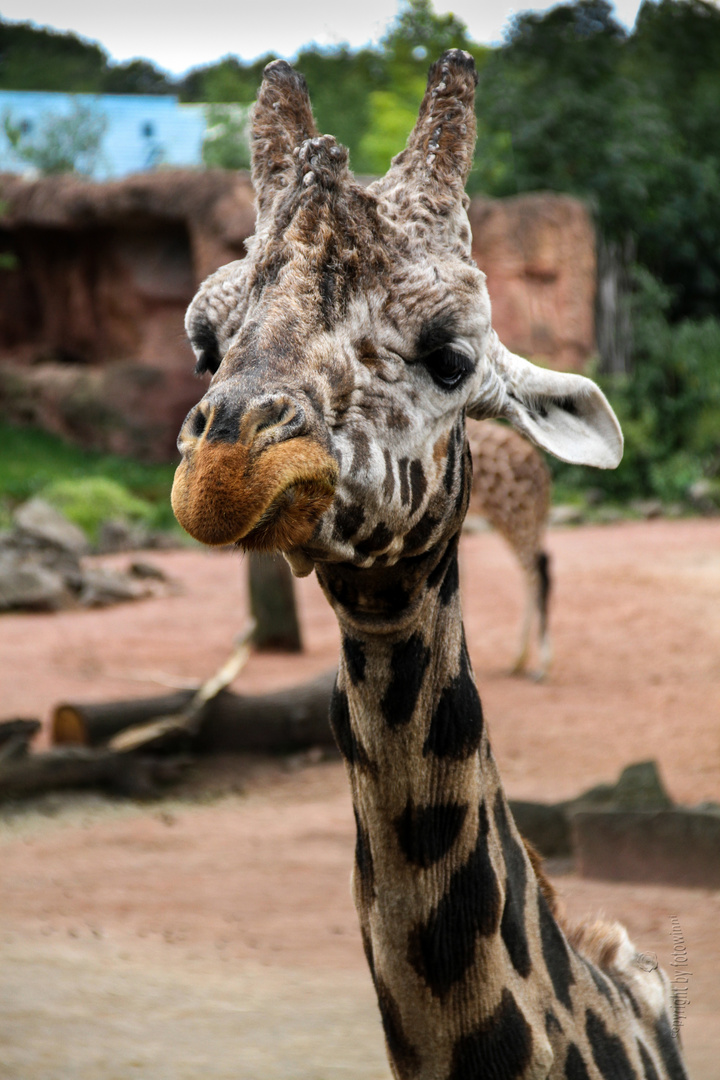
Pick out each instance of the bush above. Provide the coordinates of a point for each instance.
(669, 407)
(34, 461)
(88, 501)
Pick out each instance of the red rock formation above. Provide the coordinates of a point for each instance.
(538, 252)
(91, 318)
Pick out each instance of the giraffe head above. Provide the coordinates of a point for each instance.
(350, 344)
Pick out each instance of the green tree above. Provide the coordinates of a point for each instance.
(674, 58)
(227, 140)
(33, 58)
(553, 92)
(340, 82)
(67, 143)
(416, 38)
(572, 103)
(136, 77)
(229, 81)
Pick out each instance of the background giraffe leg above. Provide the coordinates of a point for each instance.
(543, 586)
(536, 603)
(531, 604)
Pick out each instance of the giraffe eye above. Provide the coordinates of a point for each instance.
(448, 367)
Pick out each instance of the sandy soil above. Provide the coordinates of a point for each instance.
(212, 934)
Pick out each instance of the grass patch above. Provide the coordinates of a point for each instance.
(87, 485)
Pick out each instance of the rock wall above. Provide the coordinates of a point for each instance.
(538, 252)
(92, 344)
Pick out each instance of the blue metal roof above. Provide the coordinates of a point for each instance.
(142, 131)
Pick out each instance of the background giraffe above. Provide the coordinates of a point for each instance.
(511, 488)
(346, 352)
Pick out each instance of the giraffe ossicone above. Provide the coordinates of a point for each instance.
(346, 351)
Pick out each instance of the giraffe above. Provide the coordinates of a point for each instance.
(346, 351)
(511, 489)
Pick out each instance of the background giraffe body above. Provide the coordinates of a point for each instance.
(511, 488)
(346, 351)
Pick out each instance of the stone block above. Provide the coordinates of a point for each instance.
(546, 826)
(669, 847)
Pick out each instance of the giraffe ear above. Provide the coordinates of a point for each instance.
(282, 121)
(565, 414)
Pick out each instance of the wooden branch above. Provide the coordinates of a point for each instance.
(187, 722)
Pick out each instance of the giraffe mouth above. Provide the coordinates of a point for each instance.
(290, 519)
(223, 494)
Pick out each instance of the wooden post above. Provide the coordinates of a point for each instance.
(272, 603)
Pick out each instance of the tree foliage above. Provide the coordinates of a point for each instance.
(669, 406)
(573, 103)
(227, 142)
(37, 58)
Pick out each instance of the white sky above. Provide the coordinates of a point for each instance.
(179, 34)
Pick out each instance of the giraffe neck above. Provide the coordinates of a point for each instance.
(441, 879)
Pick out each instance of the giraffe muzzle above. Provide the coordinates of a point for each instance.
(251, 481)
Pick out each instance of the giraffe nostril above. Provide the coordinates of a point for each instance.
(276, 418)
(198, 423)
(283, 415)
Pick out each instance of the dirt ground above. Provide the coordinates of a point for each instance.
(212, 934)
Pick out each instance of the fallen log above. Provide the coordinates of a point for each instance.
(11, 730)
(80, 767)
(15, 737)
(87, 724)
(281, 722)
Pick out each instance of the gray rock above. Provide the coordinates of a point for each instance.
(565, 514)
(41, 522)
(647, 508)
(548, 826)
(116, 535)
(28, 585)
(101, 586)
(147, 571)
(639, 787)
